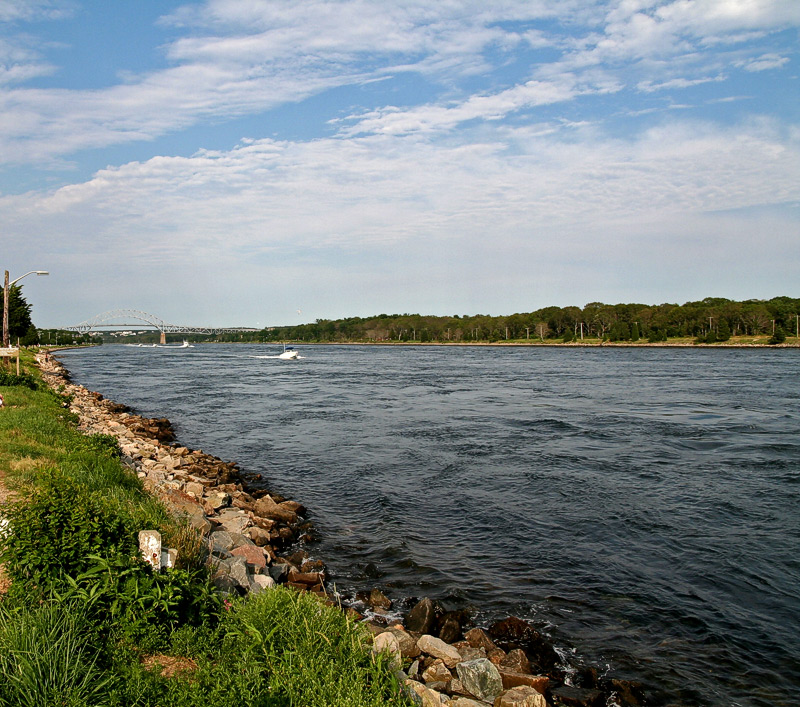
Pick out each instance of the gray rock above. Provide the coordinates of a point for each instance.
(234, 521)
(226, 540)
(480, 678)
(220, 564)
(238, 572)
(224, 583)
(470, 653)
(280, 572)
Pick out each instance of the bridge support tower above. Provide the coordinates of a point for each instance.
(163, 337)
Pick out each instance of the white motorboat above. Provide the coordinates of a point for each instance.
(289, 353)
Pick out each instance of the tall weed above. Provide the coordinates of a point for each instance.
(48, 656)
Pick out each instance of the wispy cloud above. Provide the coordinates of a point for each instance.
(764, 62)
(241, 58)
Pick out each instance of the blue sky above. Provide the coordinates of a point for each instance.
(258, 162)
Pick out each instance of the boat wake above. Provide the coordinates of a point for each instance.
(282, 358)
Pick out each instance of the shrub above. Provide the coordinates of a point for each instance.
(56, 529)
(24, 379)
(143, 606)
(778, 337)
(106, 445)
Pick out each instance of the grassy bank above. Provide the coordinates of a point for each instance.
(85, 622)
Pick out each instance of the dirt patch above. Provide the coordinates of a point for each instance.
(170, 666)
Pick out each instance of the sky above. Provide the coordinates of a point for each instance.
(273, 162)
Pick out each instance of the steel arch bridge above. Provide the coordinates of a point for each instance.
(122, 317)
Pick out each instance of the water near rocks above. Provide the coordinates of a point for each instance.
(642, 507)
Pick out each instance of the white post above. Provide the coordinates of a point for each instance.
(150, 547)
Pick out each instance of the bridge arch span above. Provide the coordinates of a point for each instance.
(122, 317)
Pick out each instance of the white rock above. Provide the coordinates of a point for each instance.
(387, 642)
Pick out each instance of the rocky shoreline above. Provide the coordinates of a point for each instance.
(252, 539)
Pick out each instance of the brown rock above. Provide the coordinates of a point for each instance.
(516, 662)
(298, 508)
(267, 508)
(251, 553)
(628, 692)
(437, 672)
(258, 535)
(286, 534)
(511, 680)
(478, 638)
(264, 523)
(408, 644)
(450, 630)
(496, 655)
(521, 697)
(378, 600)
(420, 619)
(516, 633)
(307, 578)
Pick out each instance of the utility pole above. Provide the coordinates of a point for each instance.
(581, 331)
(5, 312)
(527, 332)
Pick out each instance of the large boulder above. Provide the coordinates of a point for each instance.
(439, 649)
(252, 554)
(480, 678)
(422, 617)
(267, 508)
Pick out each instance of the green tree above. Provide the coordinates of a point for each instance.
(778, 337)
(724, 330)
(635, 332)
(19, 314)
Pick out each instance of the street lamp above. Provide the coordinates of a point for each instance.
(6, 289)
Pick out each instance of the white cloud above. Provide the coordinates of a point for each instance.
(764, 62)
(649, 86)
(28, 10)
(237, 58)
(429, 118)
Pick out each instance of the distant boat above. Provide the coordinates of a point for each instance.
(289, 353)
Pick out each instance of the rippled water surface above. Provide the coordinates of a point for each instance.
(640, 505)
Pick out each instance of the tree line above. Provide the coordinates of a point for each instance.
(21, 327)
(708, 320)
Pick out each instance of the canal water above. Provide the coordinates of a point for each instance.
(641, 506)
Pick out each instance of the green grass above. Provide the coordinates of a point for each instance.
(84, 613)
